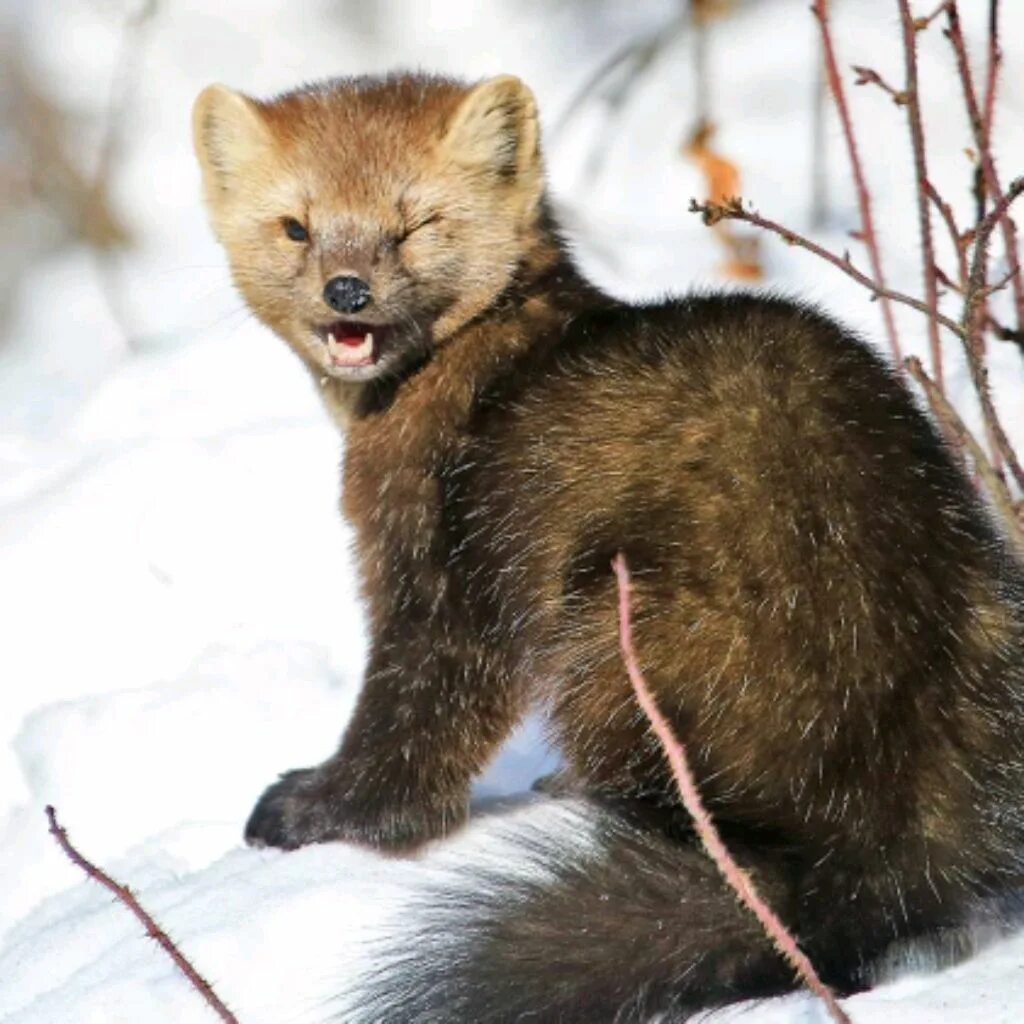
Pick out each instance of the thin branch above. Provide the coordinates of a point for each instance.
(1004, 333)
(922, 23)
(976, 290)
(998, 286)
(738, 880)
(868, 76)
(987, 184)
(987, 225)
(954, 32)
(820, 10)
(975, 318)
(995, 58)
(971, 247)
(955, 427)
(124, 895)
(976, 296)
(957, 238)
(913, 106)
(946, 281)
(733, 210)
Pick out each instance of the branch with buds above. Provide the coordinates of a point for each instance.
(971, 280)
(125, 896)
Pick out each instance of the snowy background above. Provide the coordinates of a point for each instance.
(176, 592)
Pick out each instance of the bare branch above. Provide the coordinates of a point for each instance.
(820, 10)
(124, 895)
(995, 216)
(866, 76)
(1004, 333)
(957, 238)
(956, 428)
(920, 24)
(971, 246)
(912, 101)
(975, 319)
(738, 880)
(995, 58)
(980, 131)
(986, 184)
(714, 212)
(947, 282)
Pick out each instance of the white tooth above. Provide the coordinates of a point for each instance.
(368, 340)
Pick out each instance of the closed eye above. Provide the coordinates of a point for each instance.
(431, 218)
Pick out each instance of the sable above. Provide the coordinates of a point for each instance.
(824, 614)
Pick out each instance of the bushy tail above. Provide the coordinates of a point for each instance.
(627, 927)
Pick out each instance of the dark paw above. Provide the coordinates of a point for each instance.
(295, 811)
(305, 807)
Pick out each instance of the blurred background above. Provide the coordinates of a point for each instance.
(103, 247)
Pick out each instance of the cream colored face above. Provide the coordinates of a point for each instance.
(365, 220)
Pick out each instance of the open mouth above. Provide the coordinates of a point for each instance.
(351, 344)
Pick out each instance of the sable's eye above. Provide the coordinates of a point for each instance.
(294, 230)
(431, 218)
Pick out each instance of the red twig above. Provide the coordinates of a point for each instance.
(820, 10)
(959, 246)
(971, 246)
(733, 209)
(995, 57)
(922, 23)
(735, 876)
(980, 132)
(985, 227)
(957, 429)
(1004, 333)
(975, 320)
(124, 895)
(868, 76)
(913, 105)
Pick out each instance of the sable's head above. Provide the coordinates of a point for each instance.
(366, 219)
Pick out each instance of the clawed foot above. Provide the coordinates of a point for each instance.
(304, 807)
(295, 811)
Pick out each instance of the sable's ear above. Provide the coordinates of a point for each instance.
(496, 128)
(228, 131)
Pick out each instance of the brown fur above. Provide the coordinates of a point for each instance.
(824, 611)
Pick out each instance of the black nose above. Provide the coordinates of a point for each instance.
(346, 294)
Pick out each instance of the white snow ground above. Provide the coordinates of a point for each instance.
(178, 602)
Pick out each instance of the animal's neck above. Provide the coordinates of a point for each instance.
(437, 395)
(401, 433)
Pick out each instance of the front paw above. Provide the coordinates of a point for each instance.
(304, 807)
(295, 811)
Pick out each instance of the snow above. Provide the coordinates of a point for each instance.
(181, 616)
